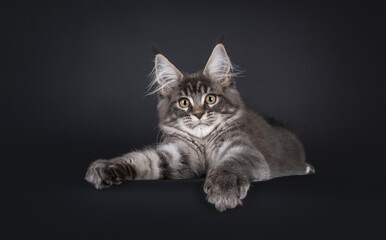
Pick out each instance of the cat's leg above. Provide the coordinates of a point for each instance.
(163, 161)
(228, 181)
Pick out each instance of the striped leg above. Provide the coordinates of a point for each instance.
(162, 161)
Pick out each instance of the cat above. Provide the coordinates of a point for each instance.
(207, 132)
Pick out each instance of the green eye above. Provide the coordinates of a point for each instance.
(184, 102)
(210, 99)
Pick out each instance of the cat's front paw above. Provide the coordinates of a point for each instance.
(225, 190)
(103, 173)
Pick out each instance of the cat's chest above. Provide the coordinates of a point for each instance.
(204, 153)
(209, 151)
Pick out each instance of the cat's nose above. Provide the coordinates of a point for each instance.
(198, 114)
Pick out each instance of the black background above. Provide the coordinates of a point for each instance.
(73, 85)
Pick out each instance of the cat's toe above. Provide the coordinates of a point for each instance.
(103, 173)
(243, 188)
(98, 176)
(223, 201)
(225, 190)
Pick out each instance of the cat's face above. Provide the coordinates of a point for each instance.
(196, 103)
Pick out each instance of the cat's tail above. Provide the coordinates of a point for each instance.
(310, 169)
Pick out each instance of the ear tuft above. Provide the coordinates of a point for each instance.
(219, 67)
(221, 39)
(155, 49)
(165, 75)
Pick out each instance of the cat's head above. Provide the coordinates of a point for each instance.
(196, 103)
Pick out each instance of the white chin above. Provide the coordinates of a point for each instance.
(200, 131)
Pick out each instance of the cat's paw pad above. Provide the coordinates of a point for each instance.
(225, 190)
(103, 174)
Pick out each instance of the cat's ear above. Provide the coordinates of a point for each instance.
(219, 67)
(166, 74)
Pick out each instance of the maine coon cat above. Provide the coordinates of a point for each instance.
(207, 131)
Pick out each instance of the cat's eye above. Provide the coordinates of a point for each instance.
(210, 99)
(184, 102)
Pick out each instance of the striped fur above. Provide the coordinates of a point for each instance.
(228, 143)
